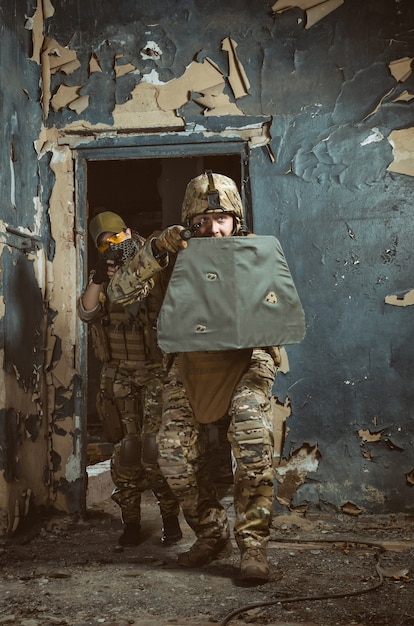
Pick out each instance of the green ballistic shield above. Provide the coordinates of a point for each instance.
(230, 293)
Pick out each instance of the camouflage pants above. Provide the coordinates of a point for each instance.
(182, 456)
(137, 393)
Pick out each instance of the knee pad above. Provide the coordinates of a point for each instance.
(150, 450)
(130, 450)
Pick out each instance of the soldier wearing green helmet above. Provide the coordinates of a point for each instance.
(235, 385)
(131, 380)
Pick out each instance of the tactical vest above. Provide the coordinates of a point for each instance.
(129, 332)
(125, 336)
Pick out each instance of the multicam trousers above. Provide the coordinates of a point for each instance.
(182, 456)
(136, 393)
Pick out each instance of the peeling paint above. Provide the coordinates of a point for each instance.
(67, 96)
(350, 508)
(60, 331)
(280, 412)
(197, 78)
(12, 182)
(367, 435)
(151, 51)
(121, 69)
(43, 11)
(73, 468)
(94, 64)
(153, 78)
(143, 110)
(367, 455)
(217, 103)
(284, 361)
(402, 142)
(375, 136)
(409, 477)
(378, 104)
(315, 10)
(237, 76)
(405, 96)
(379, 436)
(203, 78)
(292, 472)
(333, 159)
(55, 58)
(401, 68)
(405, 299)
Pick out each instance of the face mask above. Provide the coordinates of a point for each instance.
(121, 252)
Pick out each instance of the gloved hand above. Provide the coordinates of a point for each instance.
(101, 272)
(170, 239)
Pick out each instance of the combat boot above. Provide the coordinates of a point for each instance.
(130, 534)
(171, 531)
(254, 568)
(204, 551)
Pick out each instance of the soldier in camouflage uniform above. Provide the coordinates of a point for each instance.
(236, 382)
(129, 399)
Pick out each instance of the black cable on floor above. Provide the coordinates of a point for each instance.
(328, 596)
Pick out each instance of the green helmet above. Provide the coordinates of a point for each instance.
(211, 193)
(105, 222)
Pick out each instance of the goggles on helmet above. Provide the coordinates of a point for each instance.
(113, 240)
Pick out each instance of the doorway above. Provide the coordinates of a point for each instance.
(147, 193)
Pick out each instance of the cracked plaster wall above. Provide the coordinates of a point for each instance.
(322, 92)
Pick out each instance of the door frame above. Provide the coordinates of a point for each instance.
(137, 147)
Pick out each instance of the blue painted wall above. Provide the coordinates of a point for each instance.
(345, 222)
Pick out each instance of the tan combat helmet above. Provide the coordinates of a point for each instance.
(211, 193)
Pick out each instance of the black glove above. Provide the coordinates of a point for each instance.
(101, 272)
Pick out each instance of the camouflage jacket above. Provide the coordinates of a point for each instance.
(135, 280)
(126, 330)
